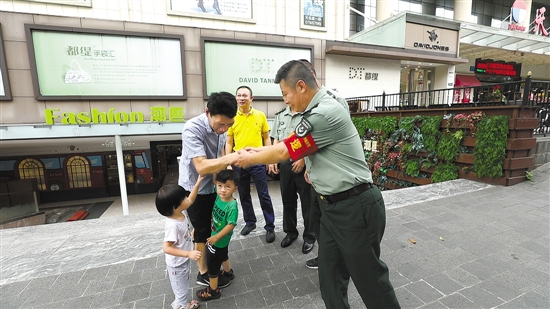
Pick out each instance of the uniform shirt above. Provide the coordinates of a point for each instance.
(198, 139)
(339, 162)
(248, 128)
(224, 213)
(177, 231)
(284, 123)
(338, 98)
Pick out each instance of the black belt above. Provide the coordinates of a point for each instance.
(331, 199)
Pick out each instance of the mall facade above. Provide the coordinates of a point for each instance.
(94, 93)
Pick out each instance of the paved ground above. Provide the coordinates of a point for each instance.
(477, 246)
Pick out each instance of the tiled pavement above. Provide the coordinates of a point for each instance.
(477, 246)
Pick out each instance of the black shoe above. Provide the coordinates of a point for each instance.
(207, 294)
(247, 229)
(312, 264)
(223, 281)
(203, 279)
(228, 274)
(287, 241)
(307, 247)
(270, 236)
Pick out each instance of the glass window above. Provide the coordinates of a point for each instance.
(31, 168)
(78, 170)
(95, 160)
(7, 165)
(51, 163)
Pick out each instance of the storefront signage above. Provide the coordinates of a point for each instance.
(518, 14)
(434, 45)
(360, 73)
(73, 63)
(95, 116)
(501, 68)
(5, 93)
(313, 14)
(228, 65)
(240, 10)
(539, 22)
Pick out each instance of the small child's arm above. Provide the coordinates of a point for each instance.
(195, 191)
(226, 230)
(168, 248)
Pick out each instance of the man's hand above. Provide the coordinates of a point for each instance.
(298, 166)
(212, 240)
(244, 158)
(306, 177)
(273, 168)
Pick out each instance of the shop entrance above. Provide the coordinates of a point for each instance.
(414, 80)
(164, 156)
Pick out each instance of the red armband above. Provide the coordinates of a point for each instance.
(300, 147)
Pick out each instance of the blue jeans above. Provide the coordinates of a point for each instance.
(258, 173)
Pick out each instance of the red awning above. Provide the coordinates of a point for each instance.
(466, 81)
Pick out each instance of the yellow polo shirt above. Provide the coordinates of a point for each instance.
(248, 128)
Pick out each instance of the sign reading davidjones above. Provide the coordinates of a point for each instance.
(73, 63)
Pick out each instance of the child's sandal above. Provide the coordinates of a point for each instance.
(207, 294)
(193, 304)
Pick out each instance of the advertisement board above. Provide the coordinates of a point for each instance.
(228, 65)
(237, 10)
(74, 63)
(312, 14)
(5, 93)
(87, 3)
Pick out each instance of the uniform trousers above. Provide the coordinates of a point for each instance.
(258, 173)
(349, 245)
(292, 185)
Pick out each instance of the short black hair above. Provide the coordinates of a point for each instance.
(222, 103)
(246, 87)
(227, 175)
(293, 71)
(309, 66)
(169, 197)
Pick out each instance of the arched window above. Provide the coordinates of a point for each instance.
(78, 170)
(32, 168)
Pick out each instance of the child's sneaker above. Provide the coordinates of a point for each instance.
(203, 279)
(228, 274)
(223, 281)
(207, 294)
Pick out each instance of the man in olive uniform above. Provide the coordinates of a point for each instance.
(353, 216)
(293, 183)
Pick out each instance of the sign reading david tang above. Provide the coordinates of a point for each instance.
(228, 65)
(72, 63)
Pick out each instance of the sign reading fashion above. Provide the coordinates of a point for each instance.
(90, 64)
(157, 114)
(228, 65)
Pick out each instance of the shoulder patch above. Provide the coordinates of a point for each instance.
(303, 128)
(282, 110)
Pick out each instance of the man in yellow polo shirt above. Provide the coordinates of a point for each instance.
(251, 130)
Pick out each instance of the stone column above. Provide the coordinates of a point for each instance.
(384, 8)
(463, 10)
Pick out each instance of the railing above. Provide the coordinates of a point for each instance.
(525, 93)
